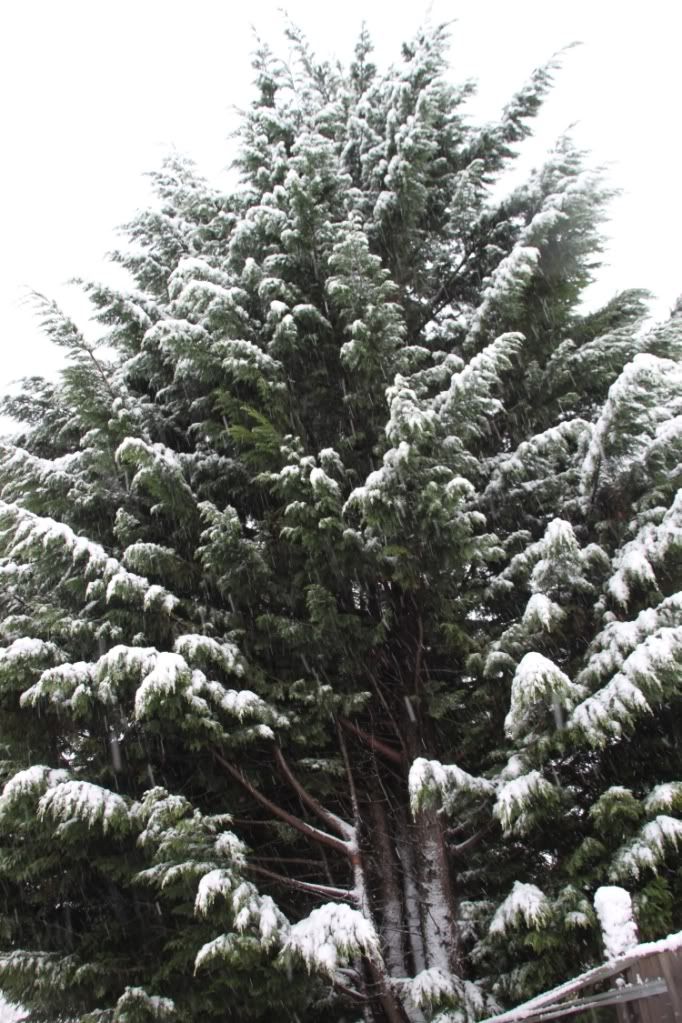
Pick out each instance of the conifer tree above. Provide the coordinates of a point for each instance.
(340, 607)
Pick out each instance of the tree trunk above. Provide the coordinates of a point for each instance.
(437, 898)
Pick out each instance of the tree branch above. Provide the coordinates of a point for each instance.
(340, 826)
(299, 861)
(371, 740)
(277, 811)
(323, 890)
(470, 843)
(391, 717)
(419, 651)
(442, 296)
(355, 803)
(350, 992)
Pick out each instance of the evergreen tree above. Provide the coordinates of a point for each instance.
(340, 613)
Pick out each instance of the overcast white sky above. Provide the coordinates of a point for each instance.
(94, 93)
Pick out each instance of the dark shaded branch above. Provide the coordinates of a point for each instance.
(470, 843)
(355, 802)
(340, 826)
(382, 748)
(391, 717)
(277, 811)
(443, 296)
(300, 861)
(418, 654)
(323, 890)
(350, 992)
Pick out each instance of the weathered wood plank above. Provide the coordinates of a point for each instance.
(663, 1009)
(616, 996)
(672, 971)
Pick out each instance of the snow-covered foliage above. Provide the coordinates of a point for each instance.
(73, 802)
(26, 786)
(524, 904)
(431, 782)
(648, 849)
(332, 936)
(250, 911)
(537, 683)
(519, 797)
(647, 675)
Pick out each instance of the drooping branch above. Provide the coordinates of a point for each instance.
(470, 843)
(314, 834)
(299, 861)
(349, 774)
(380, 747)
(349, 992)
(323, 890)
(340, 826)
(389, 713)
(418, 654)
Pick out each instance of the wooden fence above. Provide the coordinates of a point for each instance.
(643, 986)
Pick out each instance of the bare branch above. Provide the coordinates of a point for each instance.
(323, 890)
(371, 740)
(277, 811)
(351, 781)
(470, 843)
(340, 826)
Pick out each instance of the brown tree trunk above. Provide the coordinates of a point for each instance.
(386, 871)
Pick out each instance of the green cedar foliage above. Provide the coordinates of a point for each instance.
(340, 606)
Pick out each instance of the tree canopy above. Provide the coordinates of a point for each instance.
(341, 612)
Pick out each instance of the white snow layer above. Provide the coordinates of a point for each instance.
(648, 849)
(81, 801)
(653, 545)
(537, 682)
(430, 780)
(614, 909)
(526, 903)
(653, 665)
(515, 799)
(331, 936)
(30, 783)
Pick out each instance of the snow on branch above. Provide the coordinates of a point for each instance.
(647, 675)
(647, 393)
(251, 913)
(667, 796)
(518, 797)
(618, 639)
(539, 456)
(22, 658)
(81, 801)
(28, 785)
(555, 565)
(432, 783)
(648, 849)
(507, 283)
(538, 683)
(409, 418)
(653, 546)
(158, 471)
(67, 685)
(31, 539)
(332, 936)
(525, 904)
(468, 405)
(135, 1000)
